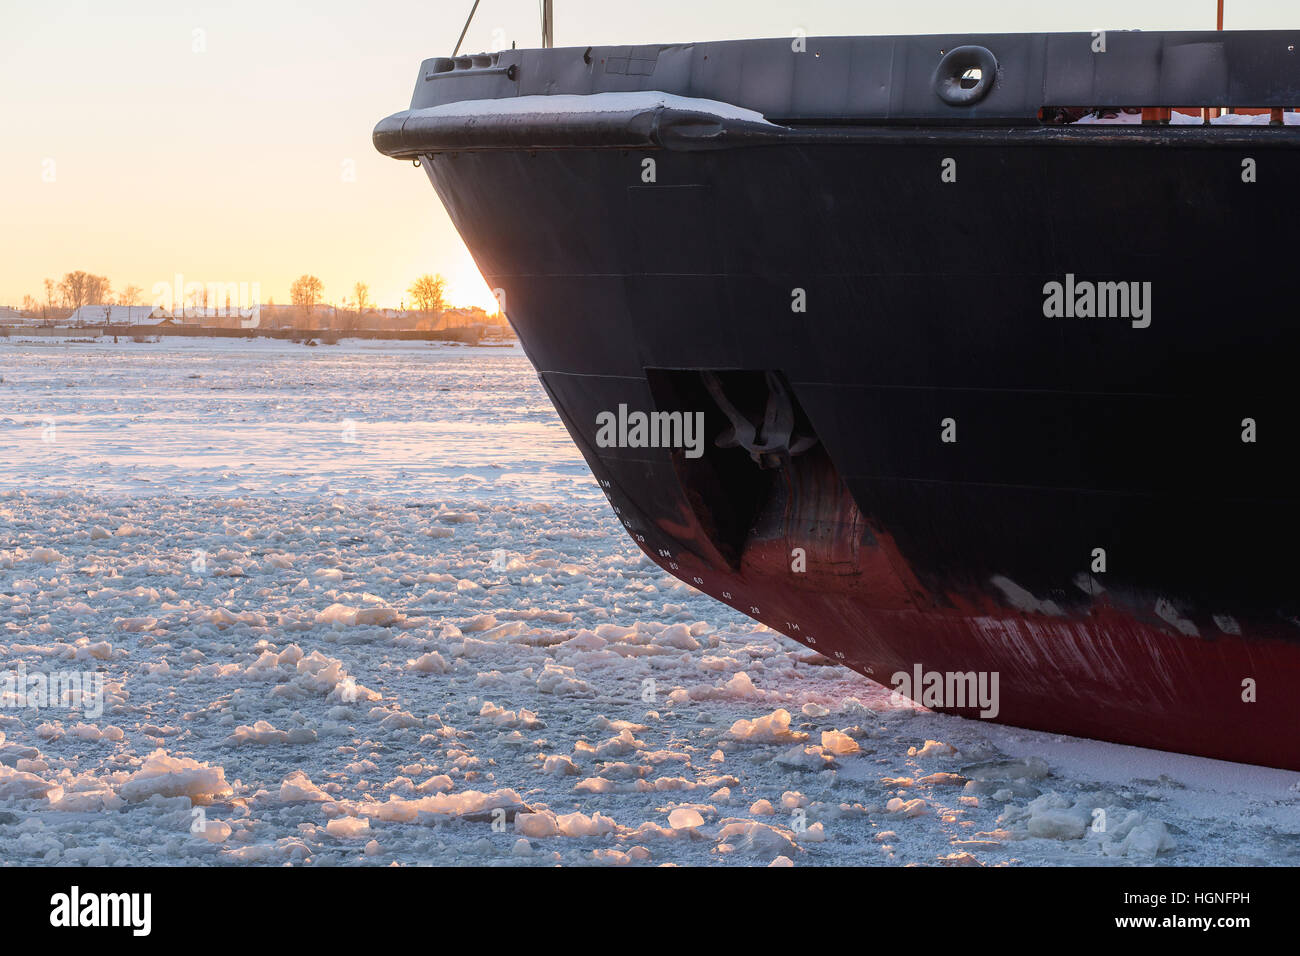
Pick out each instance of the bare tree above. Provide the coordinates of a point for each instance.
(82, 288)
(306, 292)
(429, 293)
(361, 292)
(130, 295)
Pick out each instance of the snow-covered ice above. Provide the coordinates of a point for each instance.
(364, 604)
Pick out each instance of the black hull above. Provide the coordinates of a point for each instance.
(925, 309)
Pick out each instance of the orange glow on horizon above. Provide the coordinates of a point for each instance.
(231, 143)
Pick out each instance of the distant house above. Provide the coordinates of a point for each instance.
(210, 318)
(97, 315)
(11, 317)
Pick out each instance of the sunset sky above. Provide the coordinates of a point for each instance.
(230, 141)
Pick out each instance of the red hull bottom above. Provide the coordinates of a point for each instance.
(1106, 672)
(1108, 678)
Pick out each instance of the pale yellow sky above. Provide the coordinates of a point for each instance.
(230, 141)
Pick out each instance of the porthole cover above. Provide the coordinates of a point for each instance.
(965, 75)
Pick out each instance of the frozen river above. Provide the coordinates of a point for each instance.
(364, 604)
(213, 417)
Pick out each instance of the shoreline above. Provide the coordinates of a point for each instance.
(465, 334)
(78, 337)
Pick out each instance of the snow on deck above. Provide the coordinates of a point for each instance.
(634, 102)
(423, 638)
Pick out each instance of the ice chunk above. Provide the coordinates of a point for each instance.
(685, 818)
(772, 728)
(840, 744)
(348, 828)
(298, 786)
(164, 775)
